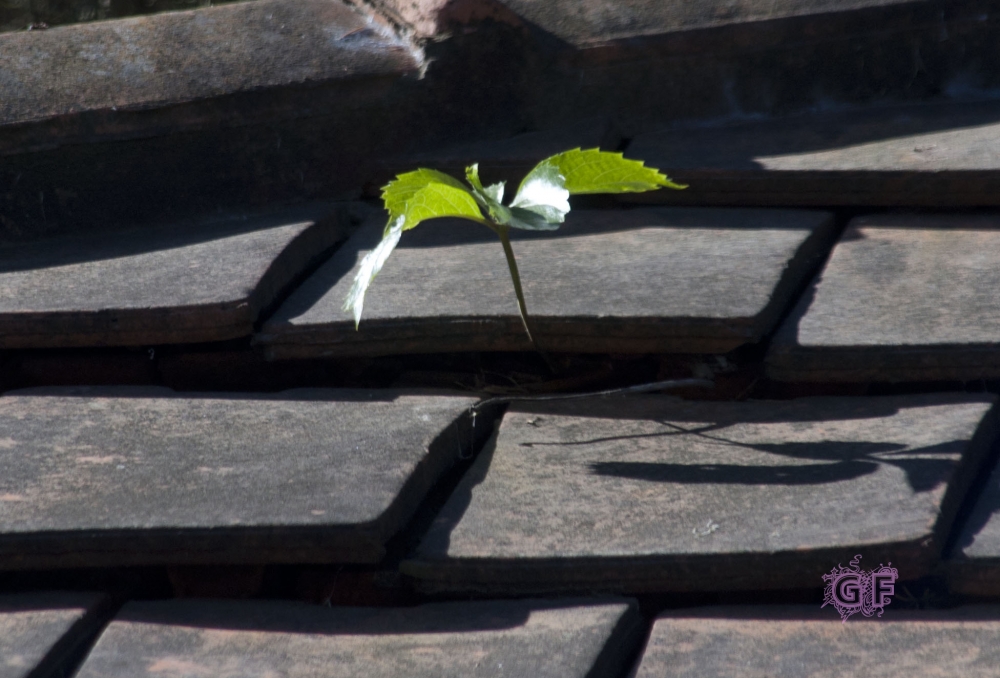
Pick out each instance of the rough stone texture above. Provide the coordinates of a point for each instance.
(787, 642)
(40, 632)
(591, 22)
(974, 566)
(595, 22)
(659, 494)
(696, 281)
(902, 298)
(565, 639)
(171, 114)
(178, 57)
(133, 475)
(177, 283)
(647, 64)
(934, 154)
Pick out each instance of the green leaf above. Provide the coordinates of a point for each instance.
(397, 193)
(410, 199)
(596, 171)
(542, 193)
(440, 200)
(370, 266)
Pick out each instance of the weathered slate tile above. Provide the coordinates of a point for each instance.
(936, 154)
(131, 475)
(974, 563)
(687, 280)
(248, 103)
(786, 642)
(596, 22)
(546, 639)
(175, 58)
(40, 632)
(659, 494)
(178, 283)
(902, 298)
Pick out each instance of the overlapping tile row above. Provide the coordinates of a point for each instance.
(609, 281)
(940, 154)
(42, 634)
(124, 476)
(902, 298)
(580, 638)
(649, 61)
(187, 282)
(654, 494)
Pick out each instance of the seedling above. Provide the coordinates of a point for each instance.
(540, 204)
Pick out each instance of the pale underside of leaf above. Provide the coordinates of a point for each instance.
(542, 200)
(370, 266)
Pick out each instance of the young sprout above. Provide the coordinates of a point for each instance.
(540, 204)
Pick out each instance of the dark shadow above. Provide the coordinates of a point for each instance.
(438, 537)
(851, 459)
(830, 450)
(924, 474)
(76, 249)
(986, 505)
(47, 600)
(735, 474)
(293, 617)
(705, 417)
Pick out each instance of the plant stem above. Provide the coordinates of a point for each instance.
(522, 307)
(503, 232)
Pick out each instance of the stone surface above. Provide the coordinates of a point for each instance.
(786, 642)
(902, 298)
(133, 475)
(175, 114)
(594, 22)
(41, 632)
(177, 283)
(645, 281)
(543, 639)
(974, 565)
(659, 494)
(649, 64)
(941, 155)
(177, 57)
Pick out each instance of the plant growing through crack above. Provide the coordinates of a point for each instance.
(540, 204)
